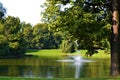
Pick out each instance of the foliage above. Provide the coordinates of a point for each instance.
(83, 26)
(16, 37)
(44, 38)
(67, 46)
(3, 45)
(11, 37)
(27, 31)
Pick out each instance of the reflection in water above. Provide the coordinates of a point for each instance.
(78, 66)
(43, 72)
(77, 62)
(50, 68)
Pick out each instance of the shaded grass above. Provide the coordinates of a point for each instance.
(32, 50)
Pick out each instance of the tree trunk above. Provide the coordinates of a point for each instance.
(115, 39)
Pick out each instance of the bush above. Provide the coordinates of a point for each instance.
(67, 46)
(3, 45)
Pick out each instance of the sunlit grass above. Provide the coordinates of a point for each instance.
(101, 54)
(46, 52)
(58, 53)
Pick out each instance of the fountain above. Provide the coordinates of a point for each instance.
(76, 58)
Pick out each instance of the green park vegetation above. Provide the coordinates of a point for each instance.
(45, 53)
(56, 32)
(17, 37)
(64, 30)
(58, 53)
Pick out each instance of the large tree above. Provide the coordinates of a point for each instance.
(83, 24)
(79, 23)
(115, 38)
(27, 34)
(44, 38)
(12, 42)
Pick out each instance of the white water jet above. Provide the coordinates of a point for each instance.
(80, 59)
(77, 58)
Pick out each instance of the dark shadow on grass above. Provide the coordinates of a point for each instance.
(30, 55)
(32, 50)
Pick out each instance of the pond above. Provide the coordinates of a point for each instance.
(63, 67)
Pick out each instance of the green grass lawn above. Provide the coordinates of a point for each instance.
(100, 55)
(45, 52)
(58, 53)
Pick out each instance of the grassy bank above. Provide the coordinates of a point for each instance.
(45, 53)
(58, 53)
(101, 54)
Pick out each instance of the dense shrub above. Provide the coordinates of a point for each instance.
(67, 46)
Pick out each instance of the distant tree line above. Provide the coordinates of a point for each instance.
(59, 30)
(16, 37)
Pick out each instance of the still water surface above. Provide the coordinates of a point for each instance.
(41, 67)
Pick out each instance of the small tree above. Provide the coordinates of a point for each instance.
(67, 46)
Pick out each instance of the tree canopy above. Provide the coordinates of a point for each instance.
(12, 36)
(72, 17)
